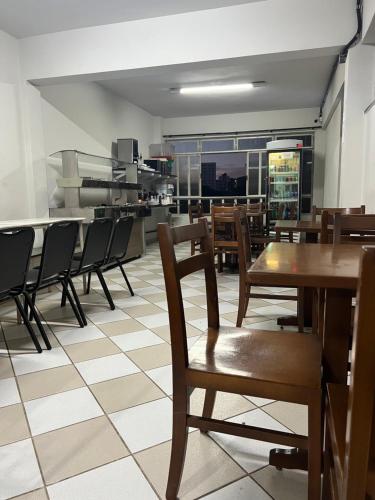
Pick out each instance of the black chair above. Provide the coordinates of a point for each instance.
(117, 249)
(92, 257)
(55, 264)
(16, 245)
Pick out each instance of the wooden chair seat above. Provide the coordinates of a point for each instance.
(259, 357)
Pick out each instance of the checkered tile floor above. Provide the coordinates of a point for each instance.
(91, 419)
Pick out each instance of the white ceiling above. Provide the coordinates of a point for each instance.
(291, 83)
(22, 18)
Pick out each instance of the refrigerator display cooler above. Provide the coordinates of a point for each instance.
(284, 181)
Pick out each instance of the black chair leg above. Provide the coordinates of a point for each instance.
(33, 300)
(27, 323)
(88, 283)
(77, 301)
(105, 289)
(33, 311)
(73, 305)
(63, 299)
(126, 279)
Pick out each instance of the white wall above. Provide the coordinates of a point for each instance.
(332, 158)
(237, 122)
(244, 30)
(87, 117)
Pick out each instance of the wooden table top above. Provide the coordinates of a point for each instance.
(39, 222)
(308, 265)
(298, 226)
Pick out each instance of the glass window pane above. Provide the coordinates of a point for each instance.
(206, 206)
(218, 145)
(185, 146)
(264, 174)
(306, 205)
(254, 160)
(183, 175)
(224, 174)
(264, 160)
(253, 180)
(195, 170)
(184, 207)
(253, 142)
(305, 139)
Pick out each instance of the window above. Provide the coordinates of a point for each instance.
(224, 174)
(254, 143)
(217, 145)
(181, 147)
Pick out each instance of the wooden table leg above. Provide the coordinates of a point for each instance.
(336, 335)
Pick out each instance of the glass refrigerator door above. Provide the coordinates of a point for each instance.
(284, 171)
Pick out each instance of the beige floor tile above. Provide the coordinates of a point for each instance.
(6, 370)
(151, 357)
(195, 313)
(139, 284)
(91, 350)
(78, 448)
(13, 425)
(34, 495)
(226, 405)
(284, 484)
(47, 382)
(291, 415)
(119, 327)
(292, 305)
(252, 317)
(158, 297)
(125, 392)
(164, 332)
(207, 467)
(144, 310)
(200, 300)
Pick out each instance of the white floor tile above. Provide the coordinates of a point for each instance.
(249, 453)
(229, 295)
(60, 410)
(76, 335)
(130, 302)
(259, 401)
(162, 377)
(19, 470)
(275, 301)
(34, 362)
(106, 368)
(154, 320)
(145, 425)
(116, 481)
(224, 307)
(190, 292)
(155, 281)
(272, 311)
(136, 340)
(244, 489)
(8, 392)
(99, 318)
(149, 290)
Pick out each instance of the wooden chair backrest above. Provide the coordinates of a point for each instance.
(221, 218)
(173, 273)
(359, 429)
(244, 245)
(346, 211)
(327, 221)
(357, 229)
(195, 212)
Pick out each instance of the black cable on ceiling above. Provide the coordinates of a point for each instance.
(341, 58)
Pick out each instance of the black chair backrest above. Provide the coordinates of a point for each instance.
(96, 242)
(58, 246)
(120, 238)
(16, 245)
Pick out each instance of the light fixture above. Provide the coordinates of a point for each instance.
(217, 89)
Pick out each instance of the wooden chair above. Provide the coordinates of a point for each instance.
(359, 229)
(223, 232)
(244, 263)
(349, 459)
(332, 211)
(195, 212)
(281, 366)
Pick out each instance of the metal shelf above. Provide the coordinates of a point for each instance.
(286, 182)
(284, 199)
(284, 173)
(81, 182)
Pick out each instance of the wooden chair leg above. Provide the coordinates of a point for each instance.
(300, 310)
(192, 247)
(219, 262)
(209, 403)
(179, 441)
(326, 488)
(243, 305)
(314, 448)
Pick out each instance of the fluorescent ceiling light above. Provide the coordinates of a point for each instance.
(217, 89)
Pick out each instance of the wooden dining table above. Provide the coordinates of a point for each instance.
(334, 269)
(310, 228)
